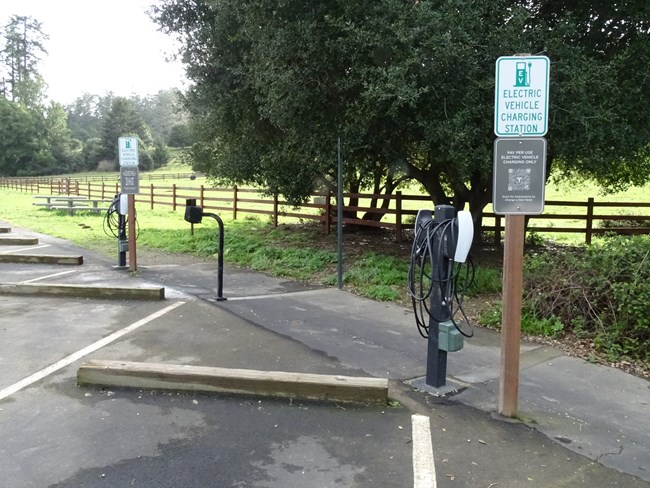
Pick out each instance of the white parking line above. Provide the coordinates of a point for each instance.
(424, 468)
(84, 352)
(26, 249)
(49, 276)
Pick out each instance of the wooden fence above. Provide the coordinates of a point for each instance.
(589, 218)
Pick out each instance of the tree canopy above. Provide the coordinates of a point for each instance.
(409, 87)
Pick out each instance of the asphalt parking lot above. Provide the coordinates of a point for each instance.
(55, 433)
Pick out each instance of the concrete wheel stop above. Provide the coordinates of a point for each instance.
(40, 259)
(84, 291)
(301, 386)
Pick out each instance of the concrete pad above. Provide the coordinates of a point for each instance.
(40, 259)
(18, 241)
(336, 388)
(450, 387)
(84, 291)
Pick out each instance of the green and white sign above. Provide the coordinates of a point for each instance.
(128, 151)
(521, 96)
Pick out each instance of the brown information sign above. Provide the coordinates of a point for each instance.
(519, 175)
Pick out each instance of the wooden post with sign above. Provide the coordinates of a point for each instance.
(130, 185)
(521, 117)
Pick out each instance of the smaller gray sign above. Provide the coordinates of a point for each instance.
(519, 175)
(129, 180)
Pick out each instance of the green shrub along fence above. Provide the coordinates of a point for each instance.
(396, 211)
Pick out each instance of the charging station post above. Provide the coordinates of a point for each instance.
(122, 242)
(437, 357)
(440, 247)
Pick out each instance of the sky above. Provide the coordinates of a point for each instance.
(100, 46)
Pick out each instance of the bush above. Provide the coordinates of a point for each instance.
(602, 292)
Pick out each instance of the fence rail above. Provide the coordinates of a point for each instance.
(591, 217)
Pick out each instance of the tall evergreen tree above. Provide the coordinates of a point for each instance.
(22, 49)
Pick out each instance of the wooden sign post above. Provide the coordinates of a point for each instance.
(520, 119)
(513, 259)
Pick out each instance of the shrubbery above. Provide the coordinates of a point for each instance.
(601, 292)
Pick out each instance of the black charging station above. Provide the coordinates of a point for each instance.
(441, 245)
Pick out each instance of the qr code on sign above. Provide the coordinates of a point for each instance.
(518, 179)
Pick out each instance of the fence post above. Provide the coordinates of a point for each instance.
(151, 194)
(328, 212)
(497, 230)
(590, 221)
(398, 216)
(202, 196)
(174, 196)
(275, 209)
(234, 202)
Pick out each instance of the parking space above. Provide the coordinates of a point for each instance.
(69, 436)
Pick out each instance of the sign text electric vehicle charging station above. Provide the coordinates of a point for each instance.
(520, 121)
(521, 96)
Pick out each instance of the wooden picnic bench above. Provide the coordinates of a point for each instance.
(71, 203)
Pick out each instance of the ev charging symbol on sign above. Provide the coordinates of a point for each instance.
(521, 96)
(522, 77)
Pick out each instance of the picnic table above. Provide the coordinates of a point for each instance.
(71, 203)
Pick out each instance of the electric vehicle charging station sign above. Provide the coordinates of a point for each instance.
(521, 96)
(128, 151)
(519, 175)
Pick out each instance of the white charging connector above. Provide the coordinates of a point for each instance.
(465, 235)
(123, 205)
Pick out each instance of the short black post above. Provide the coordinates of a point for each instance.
(439, 311)
(194, 214)
(220, 297)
